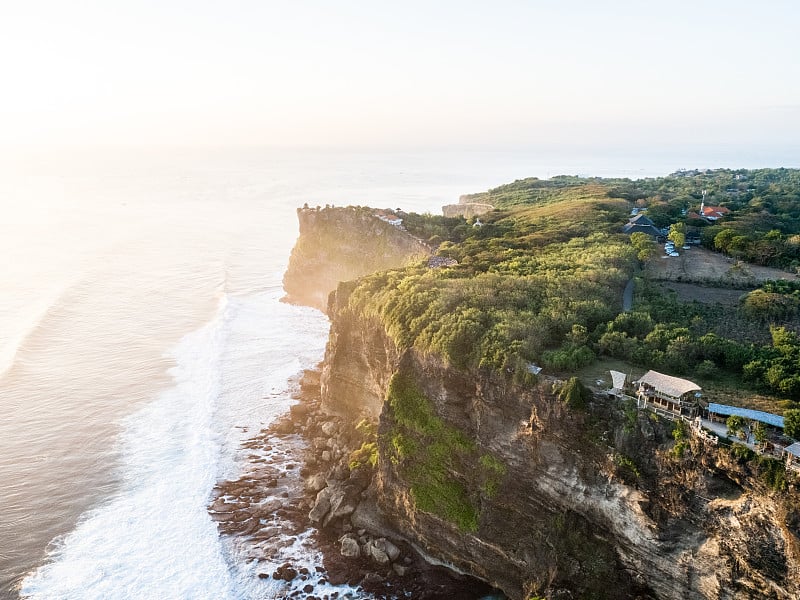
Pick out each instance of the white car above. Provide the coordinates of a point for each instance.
(673, 253)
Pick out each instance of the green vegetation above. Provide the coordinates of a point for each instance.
(742, 453)
(540, 283)
(791, 422)
(435, 229)
(680, 434)
(367, 454)
(492, 472)
(737, 426)
(763, 226)
(628, 469)
(524, 281)
(429, 453)
(574, 394)
(772, 472)
(677, 234)
(645, 245)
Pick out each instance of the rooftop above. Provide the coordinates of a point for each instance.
(673, 386)
(794, 449)
(747, 413)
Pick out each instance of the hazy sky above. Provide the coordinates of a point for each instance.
(412, 72)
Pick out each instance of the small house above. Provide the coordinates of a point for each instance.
(713, 213)
(664, 392)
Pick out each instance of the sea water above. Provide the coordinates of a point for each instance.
(142, 339)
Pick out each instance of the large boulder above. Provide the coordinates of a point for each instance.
(343, 502)
(350, 547)
(376, 552)
(322, 506)
(315, 483)
(388, 548)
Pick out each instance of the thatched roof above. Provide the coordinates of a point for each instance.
(672, 386)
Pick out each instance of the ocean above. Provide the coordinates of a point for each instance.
(142, 340)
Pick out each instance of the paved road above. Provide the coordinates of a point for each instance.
(627, 297)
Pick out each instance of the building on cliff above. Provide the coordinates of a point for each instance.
(673, 395)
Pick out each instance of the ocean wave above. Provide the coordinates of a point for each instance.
(154, 537)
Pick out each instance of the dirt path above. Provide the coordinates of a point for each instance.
(627, 297)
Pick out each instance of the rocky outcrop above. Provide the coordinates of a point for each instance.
(341, 244)
(466, 209)
(537, 498)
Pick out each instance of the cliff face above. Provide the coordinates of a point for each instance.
(511, 485)
(340, 244)
(466, 209)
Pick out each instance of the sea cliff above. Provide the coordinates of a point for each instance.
(339, 244)
(534, 484)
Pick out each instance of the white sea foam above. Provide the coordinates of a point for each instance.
(154, 539)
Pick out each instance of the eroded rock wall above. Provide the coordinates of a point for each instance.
(548, 500)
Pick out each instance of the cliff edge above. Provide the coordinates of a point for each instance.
(339, 244)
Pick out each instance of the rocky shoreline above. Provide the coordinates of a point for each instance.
(304, 516)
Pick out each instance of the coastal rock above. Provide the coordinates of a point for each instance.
(376, 553)
(299, 411)
(343, 501)
(388, 548)
(321, 506)
(315, 483)
(350, 547)
(285, 572)
(601, 529)
(329, 428)
(339, 244)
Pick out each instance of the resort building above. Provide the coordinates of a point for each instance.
(672, 395)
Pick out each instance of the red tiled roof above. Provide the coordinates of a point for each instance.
(715, 211)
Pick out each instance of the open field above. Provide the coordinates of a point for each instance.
(699, 265)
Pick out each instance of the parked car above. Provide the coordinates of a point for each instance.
(674, 254)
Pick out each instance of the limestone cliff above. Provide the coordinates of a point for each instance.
(512, 485)
(340, 244)
(533, 494)
(466, 209)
